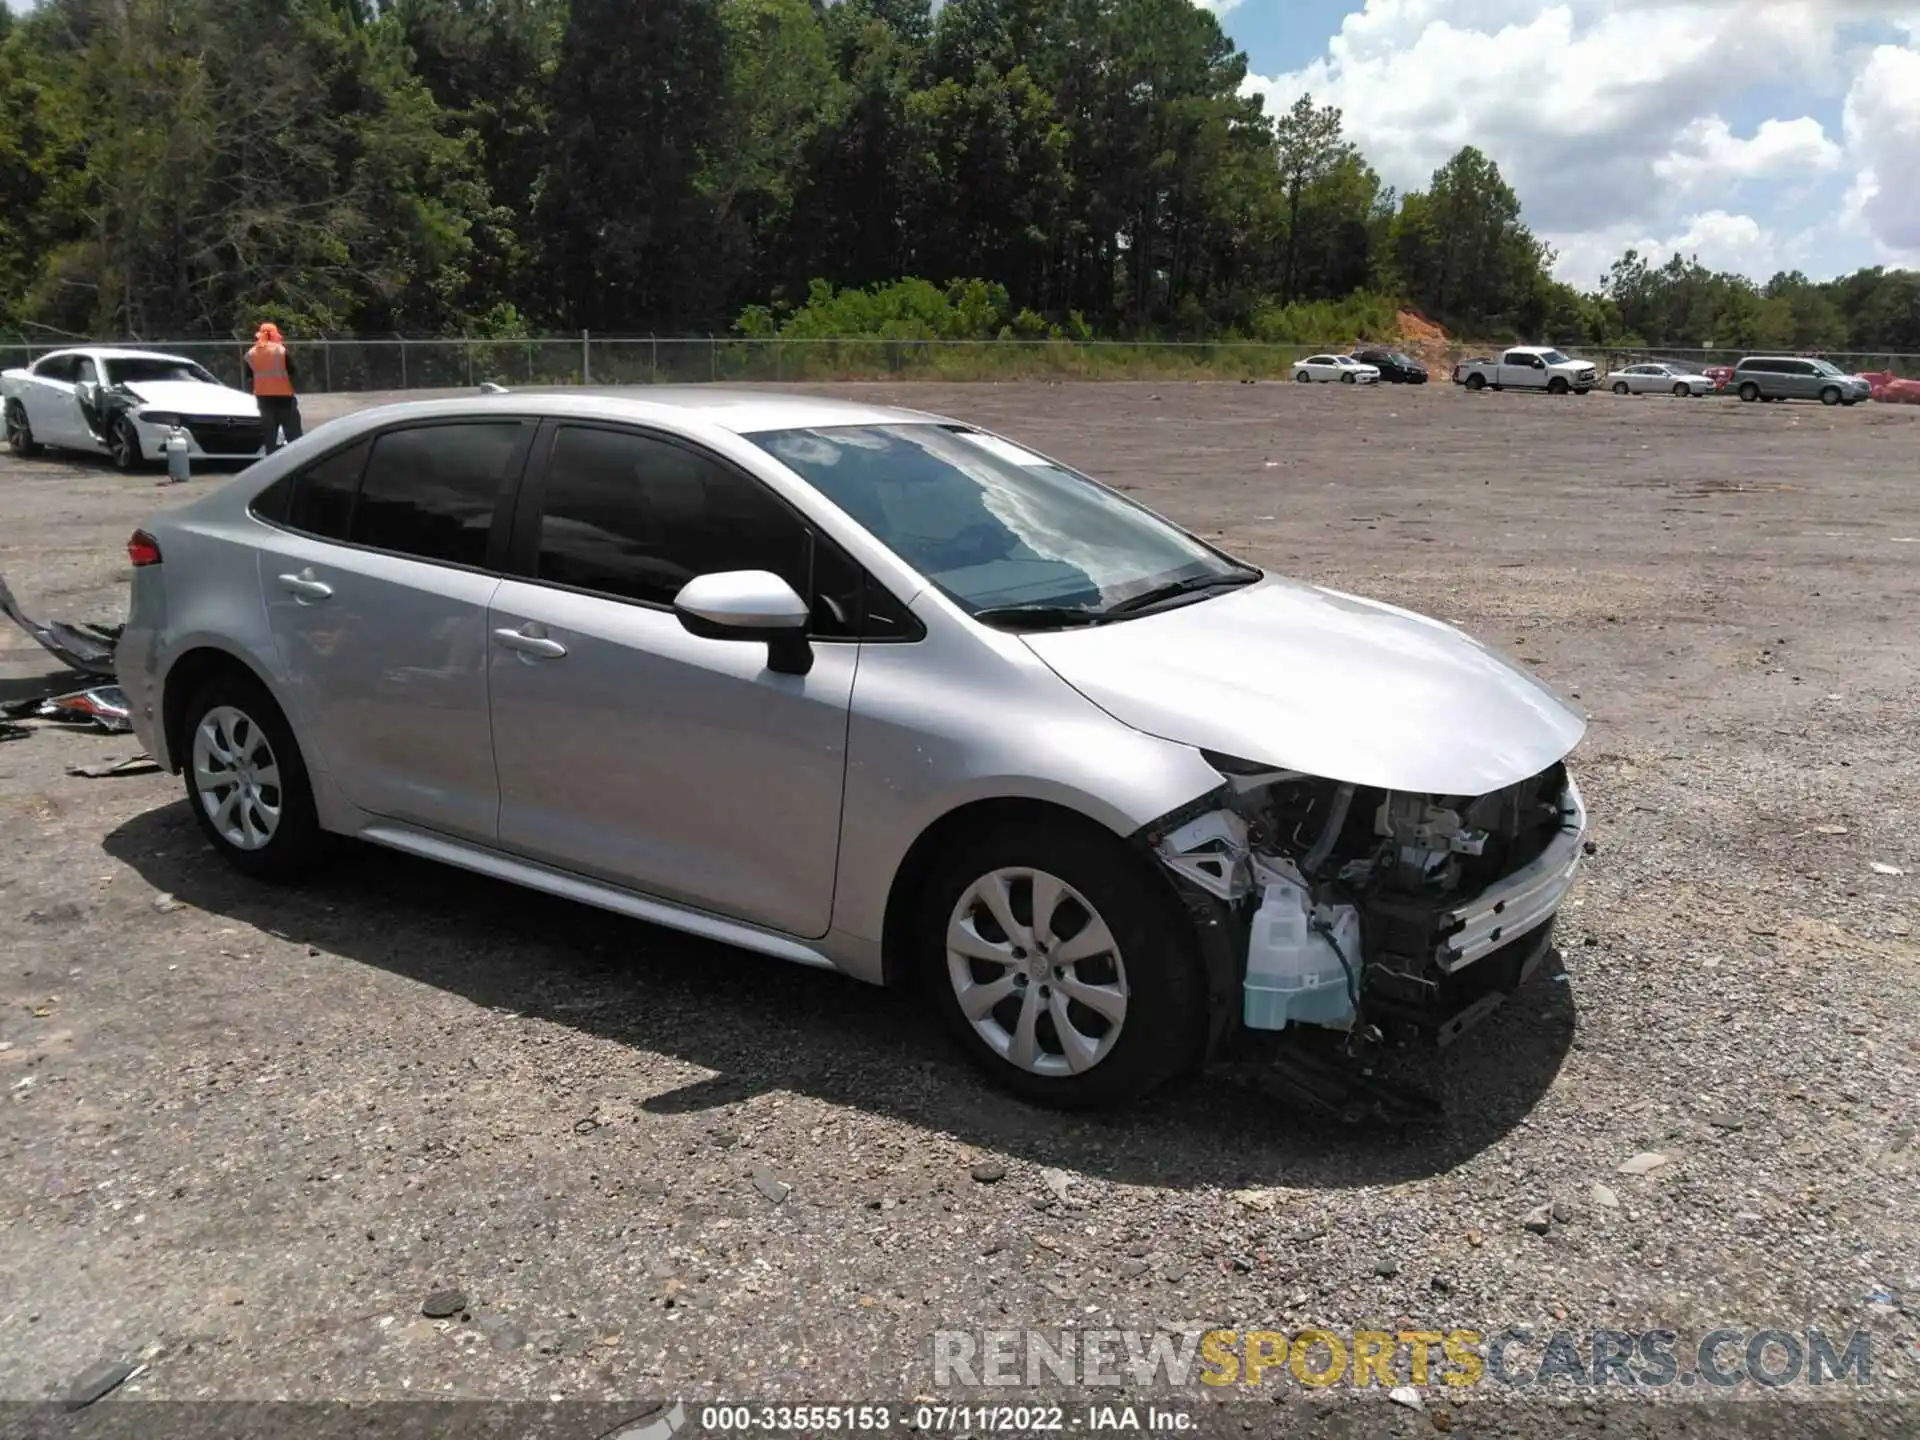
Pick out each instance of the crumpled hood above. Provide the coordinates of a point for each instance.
(194, 397)
(1308, 679)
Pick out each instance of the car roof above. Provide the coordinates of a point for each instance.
(743, 412)
(109, 352)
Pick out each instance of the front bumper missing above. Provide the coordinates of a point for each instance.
(1511, 907)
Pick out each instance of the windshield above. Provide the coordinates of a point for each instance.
(1827, 367)
(1554, 357)
(1406, 360)
(151, 368)
(993, 525)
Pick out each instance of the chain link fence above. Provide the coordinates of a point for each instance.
(330, 364)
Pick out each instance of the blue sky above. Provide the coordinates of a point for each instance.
(1758, 134)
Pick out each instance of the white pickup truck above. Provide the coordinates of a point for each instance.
(1528, 367)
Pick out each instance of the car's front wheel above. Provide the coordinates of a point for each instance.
(20, 432)
(123, 444)
(1830, 396)
(1349, 379)
(1682, 391)
(246, 781)
(1066, 972)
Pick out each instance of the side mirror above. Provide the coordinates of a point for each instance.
(749, 605)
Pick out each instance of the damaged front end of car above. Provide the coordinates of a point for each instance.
(1370, 913)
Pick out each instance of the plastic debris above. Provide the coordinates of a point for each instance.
(1881, 867)
(104, 705)
(142, 764)
(101, 1380)
(86, 648)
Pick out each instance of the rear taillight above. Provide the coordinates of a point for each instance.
(143, 549)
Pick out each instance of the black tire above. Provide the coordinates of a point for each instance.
(1476, 382)
(1164, 1025)
(1302, 378)
(1620, 387)
(20, 432)
(1830, 396)
(1749, 392)
(123, 445)
(1681, 392)
(1557, 386)
(1349, 380)
(296, 843)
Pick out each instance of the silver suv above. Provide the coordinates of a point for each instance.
(864, 689)
(1795, 377)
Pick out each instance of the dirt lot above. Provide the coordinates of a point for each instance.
(247, 1131)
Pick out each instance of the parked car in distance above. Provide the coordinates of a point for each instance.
(122, 404)
(1325, 369)
(1395, 368)
(865, 689)
(1528, 367)
(1798, 377)
(1658, 378)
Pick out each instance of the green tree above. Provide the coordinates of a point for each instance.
(1309, 145)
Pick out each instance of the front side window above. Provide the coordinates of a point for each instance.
(997, 527)
(430, 492)
(630, 515)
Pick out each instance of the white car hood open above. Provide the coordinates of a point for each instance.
(1307, 679)
(195, 397)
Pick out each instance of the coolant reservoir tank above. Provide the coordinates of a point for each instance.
(1294, 974)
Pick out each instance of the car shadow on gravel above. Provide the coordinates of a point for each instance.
(762, 1025)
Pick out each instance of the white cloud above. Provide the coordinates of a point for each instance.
(1709, 157)
(1610, 118)
(1883, 139)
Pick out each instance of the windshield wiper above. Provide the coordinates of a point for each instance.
(1038, 617)
(1160, 594)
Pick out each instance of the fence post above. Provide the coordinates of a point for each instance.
(653, 364)
(586, 359)
(713, 358)
(467, 349)
(326, 362)
(403, 364)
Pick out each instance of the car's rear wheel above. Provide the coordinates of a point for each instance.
(123, 444)
(246, 781)
(1749, 392)
(1066, 972)
(19, 432)
(1830, 396)
(1301, 377)
(1620, 387)
(1476, 382)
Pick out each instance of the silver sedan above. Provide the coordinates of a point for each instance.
(869, 690)
(1658, 379)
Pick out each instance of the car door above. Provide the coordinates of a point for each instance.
(377, 575)
(1518, 370)
(48, 398)
(1647, 379)
(1806, 380)
(631, 750)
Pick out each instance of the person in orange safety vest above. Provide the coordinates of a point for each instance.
(270, 378)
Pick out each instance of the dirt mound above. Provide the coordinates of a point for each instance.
(1424, 340)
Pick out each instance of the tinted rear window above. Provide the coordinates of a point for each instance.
(431, 492)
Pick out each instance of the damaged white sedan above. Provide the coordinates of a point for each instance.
(865, 689)
(125, 405)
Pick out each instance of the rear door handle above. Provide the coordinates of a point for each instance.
(526, 644)
(304, 587)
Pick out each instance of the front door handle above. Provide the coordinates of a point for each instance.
(530, 644)
(304, 587)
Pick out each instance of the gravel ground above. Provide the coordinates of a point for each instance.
(247, 1132)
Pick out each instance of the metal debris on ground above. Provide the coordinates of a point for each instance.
(86, 648)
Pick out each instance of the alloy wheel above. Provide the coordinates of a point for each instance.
(1037, 971)
(237, 778)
